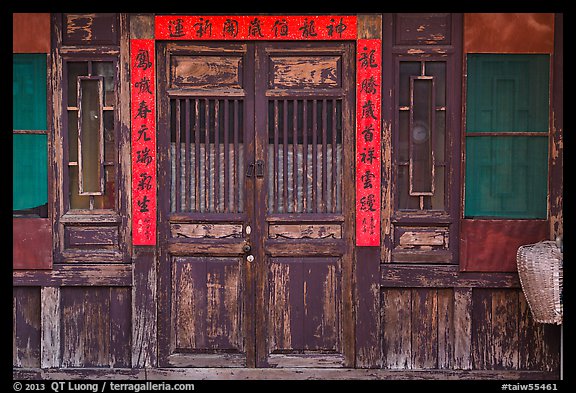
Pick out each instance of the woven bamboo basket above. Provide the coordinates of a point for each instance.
(540, 272)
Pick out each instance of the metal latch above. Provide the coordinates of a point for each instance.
(259, 168)
(250, 170)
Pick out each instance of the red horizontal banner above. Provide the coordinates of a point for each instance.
(143, 114)
(325, 27)
(368, 136)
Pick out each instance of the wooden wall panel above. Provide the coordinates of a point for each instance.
(397, 328)
(26, 327)
(505, 337)
(90, 29)
(491, 246)
(32, 243)
(31, 33)
(508, 33)
(463, 329)
(95, 327)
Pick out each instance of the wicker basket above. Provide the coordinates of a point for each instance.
(540, 272)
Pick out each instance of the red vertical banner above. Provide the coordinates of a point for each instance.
(368, 136)
(143, 114)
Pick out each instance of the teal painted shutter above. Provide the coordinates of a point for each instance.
(507, 175)
(30, 161)
(29, 171)
(29, 91)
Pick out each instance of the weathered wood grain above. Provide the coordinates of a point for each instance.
(312, 231)
(51, 327)
(463, 328)
(294, 373)
(304, 304)
(206, 231)
(88, 333)
(26, 334)
(397, 328)
(424, 343)
(76, 275)
(144, 304)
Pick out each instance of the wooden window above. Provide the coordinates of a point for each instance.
(507, 136)
(421, 161)
(423, 82)
(305, 156)
(92, 163)
(92, 199)
(208, 169)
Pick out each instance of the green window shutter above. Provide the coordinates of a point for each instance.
(507, 175)
(29, 92)
(29, 151)
(507, 93)
(29, 171)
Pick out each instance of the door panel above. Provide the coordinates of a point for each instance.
(304, 124)
(256, 222)
(205, 139)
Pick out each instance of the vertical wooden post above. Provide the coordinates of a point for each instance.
(557, 144)
(367, 261)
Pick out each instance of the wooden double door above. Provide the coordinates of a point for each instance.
(256, 202)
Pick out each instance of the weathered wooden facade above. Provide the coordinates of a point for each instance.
(312, 196)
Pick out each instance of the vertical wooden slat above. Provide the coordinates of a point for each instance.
(226, 156)
(285, 156)
(26, 327)
(335, 176)
(295, 155)
(177, 176)
(144, 302)
(424, 351)
(216, 155)
(305, 156)
(187, 169)
(197, 154)
(314, 156)
(120, 326)
(445, 328)
(505, 328)
(236, 160)
(463, 328)
(482, 340)
(397, 328)
(324, 155)
(275, 201)
(207, 190)
(50, 327)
